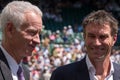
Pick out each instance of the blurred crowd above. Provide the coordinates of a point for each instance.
(52, 8)
(57, 49)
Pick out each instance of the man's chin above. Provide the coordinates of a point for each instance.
(28, 53)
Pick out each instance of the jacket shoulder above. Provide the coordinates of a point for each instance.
(72, 71)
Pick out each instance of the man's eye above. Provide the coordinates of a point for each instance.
(103, 37)
(32, 33)
(91, 36)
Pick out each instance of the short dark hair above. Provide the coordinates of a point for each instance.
(101, 17)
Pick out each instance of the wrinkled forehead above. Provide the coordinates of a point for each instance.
(32, 20)
(97, 25)
(96, 28)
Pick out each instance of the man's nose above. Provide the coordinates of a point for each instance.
(36, 39)
(97, 42)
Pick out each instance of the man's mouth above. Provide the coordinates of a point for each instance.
(101, 57)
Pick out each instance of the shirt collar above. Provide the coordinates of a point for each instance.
(92, 68)
(90, 65)
(11, 61)
(112, 68)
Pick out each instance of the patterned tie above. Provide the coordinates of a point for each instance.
(20, 74)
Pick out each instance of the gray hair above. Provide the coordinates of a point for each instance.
(14, 12)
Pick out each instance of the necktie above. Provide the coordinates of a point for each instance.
(20, 73)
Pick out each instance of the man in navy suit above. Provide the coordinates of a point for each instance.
(100, 33)
(21, 24)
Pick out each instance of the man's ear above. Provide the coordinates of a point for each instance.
(10, 29)
(114, 38)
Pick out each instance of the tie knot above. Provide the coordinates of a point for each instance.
(19, 70)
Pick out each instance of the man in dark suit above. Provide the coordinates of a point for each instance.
(21, 23)
(100, 33)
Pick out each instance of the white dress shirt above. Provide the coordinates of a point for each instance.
(12, 63)
(92, 70)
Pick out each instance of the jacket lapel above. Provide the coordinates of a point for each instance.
(5, 71)
(83, 73)
(116, 75)
(4, 67)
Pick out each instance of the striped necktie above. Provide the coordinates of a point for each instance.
(20, 73)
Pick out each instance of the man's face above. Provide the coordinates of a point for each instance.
(26, 39)
(98, 41)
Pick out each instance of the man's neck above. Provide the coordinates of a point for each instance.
(102, 68)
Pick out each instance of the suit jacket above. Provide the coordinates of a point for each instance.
(5, 72)
(79, 71)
